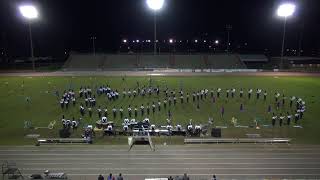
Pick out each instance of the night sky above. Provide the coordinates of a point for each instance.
(66, 25)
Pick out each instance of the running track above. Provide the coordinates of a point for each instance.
(227, 161)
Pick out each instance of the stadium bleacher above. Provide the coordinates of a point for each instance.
(136, 61)
(83, 62)
(254, 61)
(150, 61)
(121, 62)
(225, 62)
(188, 62)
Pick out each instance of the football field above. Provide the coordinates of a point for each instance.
(33, 98)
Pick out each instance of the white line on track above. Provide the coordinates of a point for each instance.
(140, 150)
(161, 150)
(167, 150)
(145, 168)
(78, 163)
(233, 163)
(173, 154)
(166, 175)
(153, 158)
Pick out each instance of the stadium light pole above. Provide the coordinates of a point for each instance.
(229, 28)
(285, 10)
(30, 13)
(172, 43)
(155, 5)
(93, 38)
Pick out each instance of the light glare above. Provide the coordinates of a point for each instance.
(29, 11)
(286, 10)
(155, 4)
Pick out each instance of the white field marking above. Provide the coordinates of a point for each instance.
(145, 168)
(155, 74)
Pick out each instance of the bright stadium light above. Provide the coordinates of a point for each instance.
(155, 5)
(170, 41)
(124, 41)
(30, 13)
(196, 41)
(137, 41)
(216, 42)
(285, 10)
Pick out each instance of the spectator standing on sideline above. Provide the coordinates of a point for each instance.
(110, 177)
(100, 177)
(185, 177)
(214, 177)
(120, 177)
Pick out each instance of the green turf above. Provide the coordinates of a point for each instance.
(44, 106)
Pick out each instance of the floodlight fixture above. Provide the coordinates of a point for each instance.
(28, 11)
(155, 4)
(286, 10)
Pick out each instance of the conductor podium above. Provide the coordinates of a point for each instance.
(140, 137)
